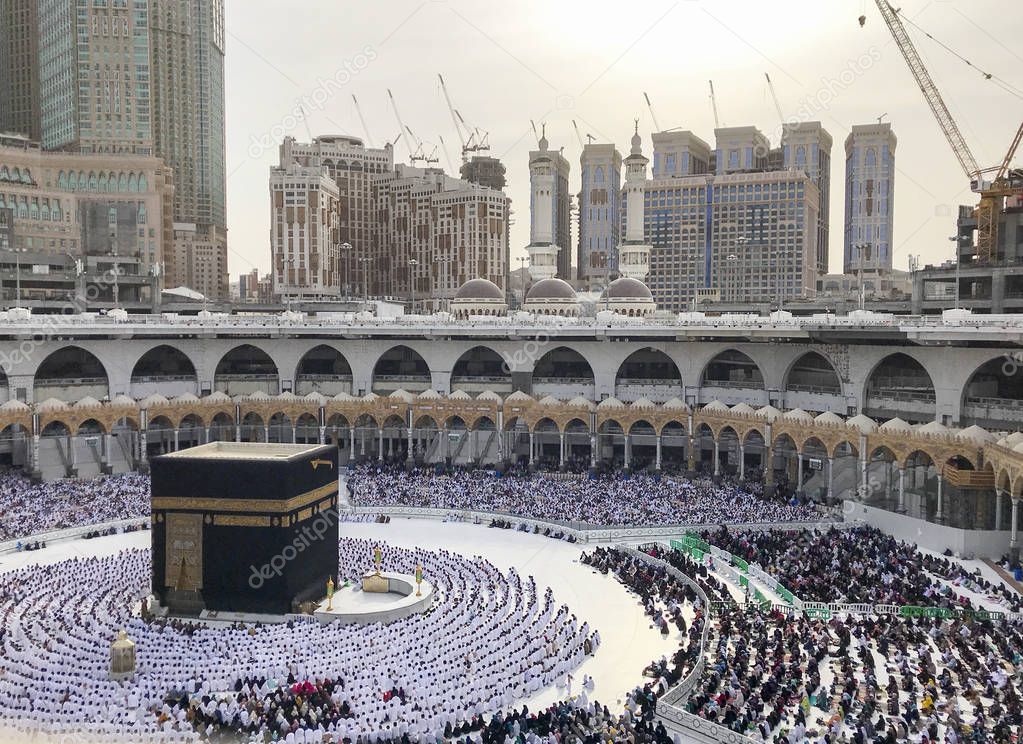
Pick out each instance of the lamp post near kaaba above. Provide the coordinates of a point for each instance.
(244, 527)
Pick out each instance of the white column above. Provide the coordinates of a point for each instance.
(593, 450)
(323, 435)
(206, 435)
(657, 462)
(411, 454)
(902, 488)
(561, 460)
(176, 440)
(238, 432)
(266, 433)
(628, 451)
(73, 445)
(105, 453)
(380, 444)
(294, 434)
(998, 510)
(1014, 535)
(742, 461)
(831, 478)
(529, 460)
(939, 513)
(143, 446)
(799, 472)
(717, 466)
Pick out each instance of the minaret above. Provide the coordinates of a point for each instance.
(633, 252)
(542, 250)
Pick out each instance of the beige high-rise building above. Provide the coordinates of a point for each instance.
(96, 208)
(414, 233)
(304, 218)
(197, 257)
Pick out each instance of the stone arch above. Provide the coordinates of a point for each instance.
(993, 393)
(71, 373)
(563, 373)
(246, 369)
(163, 369)
(813, 372)
(222, 428)
(253, 428)
(325, 370)
(401, 367)
(899, 385)
(648, 373)
(481, 368)
(732, 368)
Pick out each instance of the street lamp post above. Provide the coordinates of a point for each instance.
(959, 241)
(412, 283)
(347, 249)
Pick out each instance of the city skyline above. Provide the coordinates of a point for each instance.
(843, 75)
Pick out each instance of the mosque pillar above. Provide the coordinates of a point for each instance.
(380, 444)
(362, 443)
(717, 462)
(323, 435)
(831, 478)
(768, 466)
(593, 450)
(238, 431)
(529, 459)
(266, 433)
(176, 434)
(73, 450)
(1014, 535)
(294, 434)
(35, 452)
(143, 447)
(628, 452)
(742, 461)
(410, 455)
(107, 440)
(799, 473)
(902, 488)
(657, 460)
(561, 458)
(446, 443)
(998, 510)
(206, 435)
(939, 514)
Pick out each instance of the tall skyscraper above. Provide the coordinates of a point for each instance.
(94, 76)
(484, 170)
(19, 68)
(740, 150)
(806, 146)
(869, 198)
(144, 77)
(186, 41)
(600, 168)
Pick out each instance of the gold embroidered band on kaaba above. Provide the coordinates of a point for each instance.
(264, 506)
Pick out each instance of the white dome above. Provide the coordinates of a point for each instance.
(976, 434)
(489, 395)
(459, 395)
(828, 417)
(743, 408)
(797, 414)
(768, 412)
(401, 394)
(88, 402)
(863, 423)
(218, 396)
(1013, 439)
(186, 398)
(258, 395)
(429, 395)
(549, 400)
(51, 404)
(581, 402)
(154, 400)
(895, 424)
(642, 403)
(933, 427)
(518, 396)
(675, 404)
(15, 405)
(122, 400)
(610, 402)
(716, 405)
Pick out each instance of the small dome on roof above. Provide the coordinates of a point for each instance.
(627, 287)
(828, 417)
(768, 412)
(429, 395)
(402, 394)
(581, 402)
(1018, 448)
(489, 395)
(316, 397)
(895, 424)
(258, 395)
(51, 404)
(459, 395)
(219, 396)
(977, 434)
(186, 398)
(743, 408)
(642, 403)
(610, 402)
(863, 423)
(343, 396)
(675, 404)
(933, 427)
(549, 400)
(1013, 439)
(88, 402)
(122, 400)
(797, 414)
(518, 396)
(479, 289)
(14, 405)
(551, 289)
(154, 400)
(716, 405)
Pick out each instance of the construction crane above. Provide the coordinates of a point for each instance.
(472, 139)
(714, 105)
(365, 129)
(578, 136)
(650, 108)
(401, 124)
(992, 193)
(774, 97)
(419, 154)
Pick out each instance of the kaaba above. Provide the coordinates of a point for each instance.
(244, 527)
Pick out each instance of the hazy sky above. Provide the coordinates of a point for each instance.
(590, 60)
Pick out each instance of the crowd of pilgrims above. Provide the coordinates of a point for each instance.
(784, 677)
(875, 568)
(492, 639)
(608, 500)
(28, 508)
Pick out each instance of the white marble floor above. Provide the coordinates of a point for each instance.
(628, 640)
